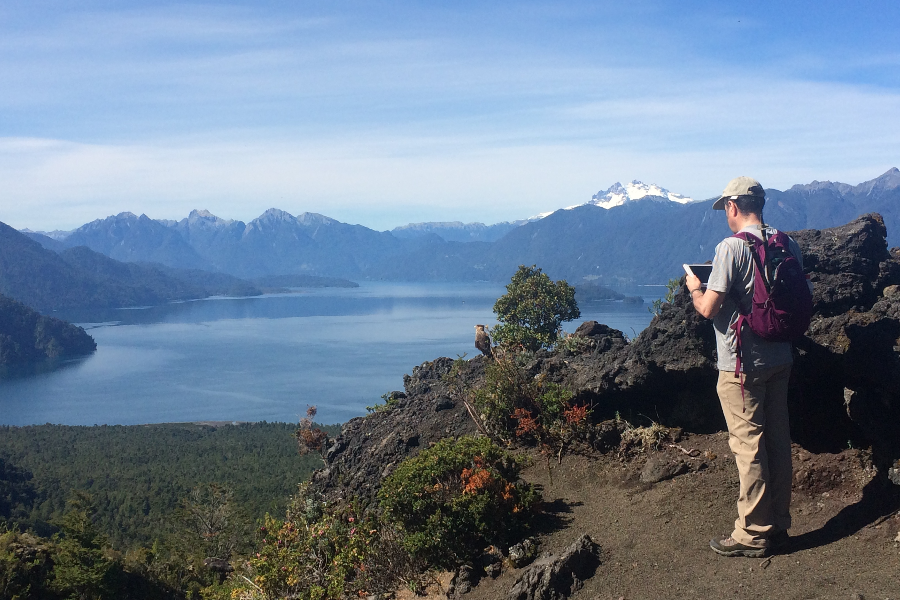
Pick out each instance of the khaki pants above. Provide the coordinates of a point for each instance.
(760, 439)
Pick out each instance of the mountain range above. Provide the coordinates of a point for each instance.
(627, 235)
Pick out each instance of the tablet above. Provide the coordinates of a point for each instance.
(701, 271)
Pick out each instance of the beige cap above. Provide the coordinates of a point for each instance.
(739, 186)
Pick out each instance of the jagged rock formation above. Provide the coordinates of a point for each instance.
(846, 383)
(848, 366)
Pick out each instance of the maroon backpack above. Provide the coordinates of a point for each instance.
(782, 301)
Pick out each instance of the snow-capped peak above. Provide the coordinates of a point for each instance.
(619, 194)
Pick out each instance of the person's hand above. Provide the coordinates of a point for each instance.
(692, 282)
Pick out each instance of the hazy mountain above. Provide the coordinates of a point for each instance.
(637, 242)
(457, 231)
(278, 243)
(27, 336)
(128, 238)
(636, 233)
(647, 240)
(80, 277)
(46, 241)
(828, 204)
(39, 277)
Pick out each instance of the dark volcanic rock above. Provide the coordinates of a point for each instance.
(847, 371)
(668, 371)
(661, 469)
(557, 577)
(846, 263)
(523, 553)
(368, 448)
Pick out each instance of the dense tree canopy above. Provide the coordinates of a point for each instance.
(533, 309)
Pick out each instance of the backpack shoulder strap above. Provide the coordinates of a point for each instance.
(757, 246)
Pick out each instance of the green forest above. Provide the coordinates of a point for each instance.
(137, 475)
(143, 497)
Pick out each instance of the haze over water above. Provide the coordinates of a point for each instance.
(265, 358)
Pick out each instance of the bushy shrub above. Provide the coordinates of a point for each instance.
(314, 560)
(391, 400)
(672, 288)
(533, 309)
(309, 437)
(455, 498)
(26, 565)
(514, 405)
(317, 553)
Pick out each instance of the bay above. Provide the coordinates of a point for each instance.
(265, 358)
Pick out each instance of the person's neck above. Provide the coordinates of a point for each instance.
(746, 221)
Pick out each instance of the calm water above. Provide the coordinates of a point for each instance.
(267, 358)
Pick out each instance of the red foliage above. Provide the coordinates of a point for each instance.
(576, 414)
(476, 479)
(309, 438)
(526, 423)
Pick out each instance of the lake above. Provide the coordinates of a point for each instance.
(264, 358)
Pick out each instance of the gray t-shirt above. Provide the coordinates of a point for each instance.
(732, 274)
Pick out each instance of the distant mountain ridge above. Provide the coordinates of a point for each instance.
(78, 277)
(457, 231)
(628, 235)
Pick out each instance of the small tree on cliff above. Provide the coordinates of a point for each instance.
(533, 309)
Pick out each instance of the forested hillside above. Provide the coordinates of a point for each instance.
(137, 476)
(28, 336)
(79, 277)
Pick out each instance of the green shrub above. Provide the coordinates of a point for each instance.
(25, 566)
(456, 497)
(317, 553)
(671, 289)
(533, 309)
(390, 402)
(81, 567)
(514, 405)
(507, 386)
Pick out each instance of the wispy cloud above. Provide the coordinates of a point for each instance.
(384, 115)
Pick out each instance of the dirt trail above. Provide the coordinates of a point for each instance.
(655, 536)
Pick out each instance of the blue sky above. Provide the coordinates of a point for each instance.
(383, 113)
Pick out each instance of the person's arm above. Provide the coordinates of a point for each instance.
(707, 303)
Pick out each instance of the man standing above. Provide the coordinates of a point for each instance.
(755, 401)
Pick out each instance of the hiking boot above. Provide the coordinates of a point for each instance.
(779, 541)
(726, 546)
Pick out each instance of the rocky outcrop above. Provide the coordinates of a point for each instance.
(845, 385)
(848, 365)
(369, 447)
(557, 577)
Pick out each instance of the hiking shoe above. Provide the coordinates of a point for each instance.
(726, 546)
(779, 541)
